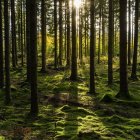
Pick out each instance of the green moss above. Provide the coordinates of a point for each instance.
(136, 131)
(105, 112)
(116, 119)
(2, 138)
(85, 135)
(106, 120)
(119, 134)
(66, 108)
(108, 98)
(63, 137)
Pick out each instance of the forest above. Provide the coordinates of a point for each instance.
(69, 70)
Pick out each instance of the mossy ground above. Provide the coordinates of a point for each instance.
(67, 112)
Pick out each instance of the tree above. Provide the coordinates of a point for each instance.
(110, 43)
(60, 32)
(129, 34)
(7, 54)
(33, 57)
(134, 66)
(99, 42)
(103, 28)
(124, 93)
(21, 32)
(1, 49)
(92, 47)
(85, 27)
(73, 76)
(43, 29)
(80, 35)
(68, 34)
(28, 39)
(13, 33)
(55, 34)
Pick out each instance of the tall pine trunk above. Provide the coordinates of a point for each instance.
(43, 30)
(123, 93)
(55, 35)
(99, 40)
(7, 54)
(110, 43)
(134, 66)
(92, 47)
(73, 76)
(129, 35)
(13, 33)
(80, 36)
(68, 34)
(33, 57)
(60, 33)
(28, 38)
(1, 49)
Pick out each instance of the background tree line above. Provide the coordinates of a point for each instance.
(89, 33)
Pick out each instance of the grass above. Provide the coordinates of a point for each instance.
(67, 112)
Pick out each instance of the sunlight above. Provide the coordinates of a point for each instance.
(77, 3)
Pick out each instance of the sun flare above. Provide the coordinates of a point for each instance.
(77, 3)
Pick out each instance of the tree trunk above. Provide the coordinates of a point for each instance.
(68, 34)
(65, 32)
(21, 32)
(33, 57)
(99, 42)
(103, 29)
(103, 33)
(55, 35)
(43, 30)
(60, 33)
(1, 49)
(123, 93)
(28, 39)
(74, 48)
(13, 33)
(7, 54)
(129, 35)
(92, 47)
(80, 36)
(134, 66)
(110, 43)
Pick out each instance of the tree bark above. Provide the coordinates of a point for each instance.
(60, 33)
(99, 42)
(129, 35)
(110, 43)
(123, 93)
(74, 48)
(33, 57)
(92, 47)
(55, 34)
(28, 39)
(1, 49)
(13, 33)
(134, 65)
(7, 54)
(68, 34)
(43, 30)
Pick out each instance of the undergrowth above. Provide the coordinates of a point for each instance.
(67, 112)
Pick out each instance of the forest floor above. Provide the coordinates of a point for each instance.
(67, 111)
